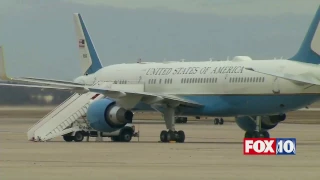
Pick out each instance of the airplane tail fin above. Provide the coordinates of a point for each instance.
(3, 74)
(90, 62)
(309, 51)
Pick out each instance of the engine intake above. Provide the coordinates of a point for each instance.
(104, 115)
(116, 116)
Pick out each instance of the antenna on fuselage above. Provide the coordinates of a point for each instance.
(139, 60)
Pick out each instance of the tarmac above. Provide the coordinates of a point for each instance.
(210, 152)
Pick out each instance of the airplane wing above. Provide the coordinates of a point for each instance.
(34, 86)
(148, 98)
(308, 79)
(49, 80)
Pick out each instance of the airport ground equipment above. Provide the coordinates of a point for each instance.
(124, 134)
(181, 119)
(70, 117)
(64, 119)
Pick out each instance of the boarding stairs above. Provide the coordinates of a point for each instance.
(60, 120)
(70, 115)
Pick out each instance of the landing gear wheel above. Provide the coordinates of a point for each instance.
(257, 134)
(248, 134)
(126, 136)
(78, 137)
(265, 134)
(163, 136)
(115, 138)
(171, 136)
(68, 138)
(221, 121)
(181, 137)
(216, 121)
(185, 120)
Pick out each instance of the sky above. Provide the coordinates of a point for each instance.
(39, 38)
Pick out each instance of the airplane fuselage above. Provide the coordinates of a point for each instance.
(225, 88)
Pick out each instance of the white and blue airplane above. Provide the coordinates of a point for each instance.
(258, 93)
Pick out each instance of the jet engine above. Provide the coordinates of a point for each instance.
(104, 115)
(267, 122)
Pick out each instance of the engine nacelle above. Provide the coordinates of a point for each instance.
(267, 122)
(104, 115)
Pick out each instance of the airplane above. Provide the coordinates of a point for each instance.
(258, 93)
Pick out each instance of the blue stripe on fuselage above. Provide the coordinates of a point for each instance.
(96, 64)
(234, 105)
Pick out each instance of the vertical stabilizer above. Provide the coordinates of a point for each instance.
(89, 59)
(3, 74)
(309, 51)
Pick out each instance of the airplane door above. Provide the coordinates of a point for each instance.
(276, 86)
(225, 83)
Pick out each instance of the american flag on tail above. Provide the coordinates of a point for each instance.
(81, 43)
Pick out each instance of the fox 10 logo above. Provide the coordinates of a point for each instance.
(269, 146)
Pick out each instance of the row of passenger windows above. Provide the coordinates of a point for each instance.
(202, 80)
(198, 80)
(120, 82)
(166, 81)
(246, 79)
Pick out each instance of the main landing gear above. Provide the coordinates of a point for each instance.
(217, 121)
(171, 134)
(258, 133)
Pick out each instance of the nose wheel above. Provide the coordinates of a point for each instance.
(258, 132)
(255, 134)
(167, 136)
